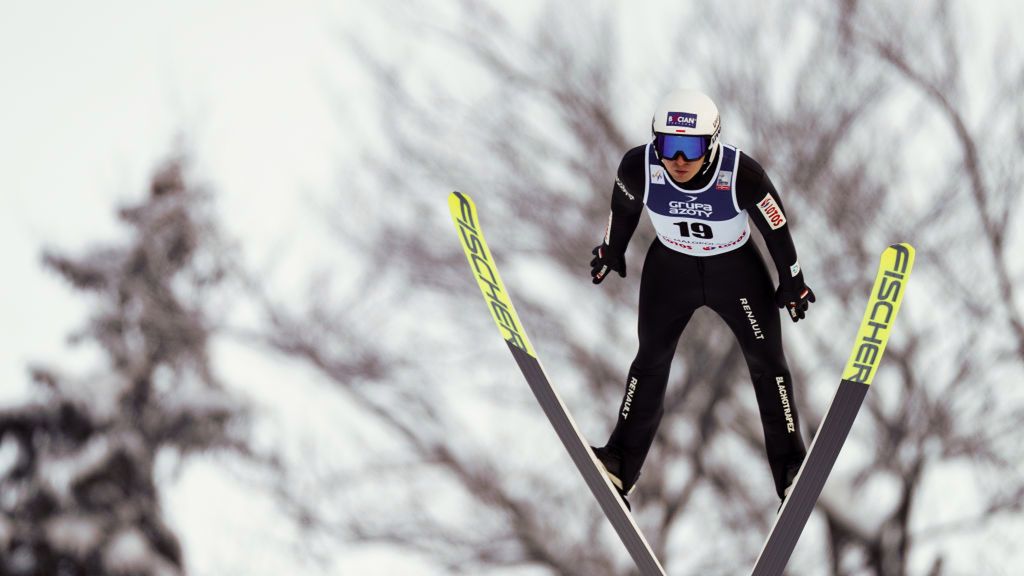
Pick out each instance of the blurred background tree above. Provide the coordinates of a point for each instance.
(80, 494)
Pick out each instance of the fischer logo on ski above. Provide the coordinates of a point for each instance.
(883, 305)
(480, 260)
(482, 264)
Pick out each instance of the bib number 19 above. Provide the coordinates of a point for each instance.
(695, 229)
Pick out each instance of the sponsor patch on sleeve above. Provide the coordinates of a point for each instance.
(794, 269)
(624, 190)
(772, 213)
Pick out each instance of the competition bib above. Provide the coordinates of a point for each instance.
(696, 222)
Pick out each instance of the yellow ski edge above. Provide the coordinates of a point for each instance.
(880, 316)
(481, 262)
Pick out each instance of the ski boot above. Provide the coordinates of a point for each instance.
(791, 473)
(611, 465)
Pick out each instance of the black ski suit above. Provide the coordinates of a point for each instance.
(733, 281)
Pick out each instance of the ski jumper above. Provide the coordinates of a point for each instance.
(702, 256)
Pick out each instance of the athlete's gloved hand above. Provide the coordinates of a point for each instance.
(604, 261)
(795, 297)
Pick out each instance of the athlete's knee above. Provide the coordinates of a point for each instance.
(652, 360)
(768, 366)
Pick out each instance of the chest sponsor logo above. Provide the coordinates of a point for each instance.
(772, 213)
(724, 181)
(683, 119)
(689, 207)
(657, 175)
(669, 240)
(743, 236)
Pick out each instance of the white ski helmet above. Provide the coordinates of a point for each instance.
(686, 122)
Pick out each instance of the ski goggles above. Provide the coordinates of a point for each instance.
(671, 145)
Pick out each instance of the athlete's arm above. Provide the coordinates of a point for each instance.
(756, 194)
(627, 201)
(627, 206)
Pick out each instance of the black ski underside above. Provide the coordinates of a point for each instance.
(580, 454)
(807, 487)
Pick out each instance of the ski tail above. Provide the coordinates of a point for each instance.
(481, 261)
(875, 327)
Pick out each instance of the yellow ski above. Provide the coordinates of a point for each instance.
(876, 326)
(481, 262)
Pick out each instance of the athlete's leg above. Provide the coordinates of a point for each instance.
(670, 290)
(741, 291)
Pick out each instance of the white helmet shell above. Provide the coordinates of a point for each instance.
(688, 112)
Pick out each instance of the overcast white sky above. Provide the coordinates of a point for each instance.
(93, 96)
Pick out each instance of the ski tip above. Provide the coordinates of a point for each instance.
(899, 256)
(459, 196)
(485, 271)
(904, 247)
(894, 269)
(461, 206)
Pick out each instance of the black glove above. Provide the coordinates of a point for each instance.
(796, 298)
(604, 261)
